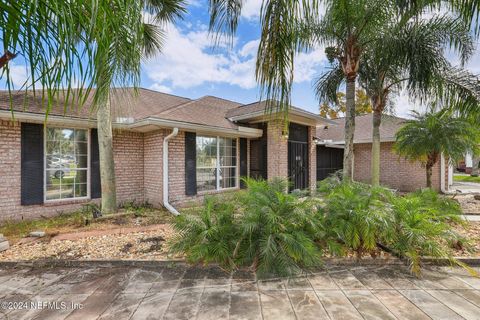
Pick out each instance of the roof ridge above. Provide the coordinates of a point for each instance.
(178, 106)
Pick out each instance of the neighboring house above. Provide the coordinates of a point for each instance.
(46, 170)
(395, 171)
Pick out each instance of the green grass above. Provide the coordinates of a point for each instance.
(462, 178)
(19, 229)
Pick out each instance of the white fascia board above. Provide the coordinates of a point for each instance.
(51, 119)
(342, 142)
(238, 132)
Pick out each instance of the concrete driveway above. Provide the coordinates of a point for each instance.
(180, 292)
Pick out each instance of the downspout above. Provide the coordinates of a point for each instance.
(443, 189)
(166, 204)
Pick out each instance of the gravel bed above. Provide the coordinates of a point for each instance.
(469, 204)
(472, 233)
(149, 245)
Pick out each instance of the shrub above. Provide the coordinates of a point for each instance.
(421, 225)
(355, 213)
(267, 230)
(208, 235)
(276, 229)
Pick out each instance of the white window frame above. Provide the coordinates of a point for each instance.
(218, 167)
(45, 164)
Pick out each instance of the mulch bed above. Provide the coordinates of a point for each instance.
(148, 242)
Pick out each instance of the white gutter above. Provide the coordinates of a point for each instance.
(166, 204)
(240, 131)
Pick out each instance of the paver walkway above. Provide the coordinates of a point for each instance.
(181, 292)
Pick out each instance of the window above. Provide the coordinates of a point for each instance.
(216, 163)
(66, 163)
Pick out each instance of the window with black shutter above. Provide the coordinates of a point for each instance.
(190, 163)
(32, 155)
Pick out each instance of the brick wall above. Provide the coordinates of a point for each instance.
(277, 147)
(176, 173)
(128, 152)
(153, 167)
(395, 171)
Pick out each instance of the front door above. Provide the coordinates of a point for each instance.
(298, 164)
(298, 156)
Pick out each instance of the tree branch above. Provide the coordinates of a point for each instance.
(7, 56)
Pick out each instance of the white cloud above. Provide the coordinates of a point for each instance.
(161, 88)
(404, 105)
(251, 9)
(188, 61)
(19, 74)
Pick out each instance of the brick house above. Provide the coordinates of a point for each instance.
(170, 151)
(395, 171)
(50, 168)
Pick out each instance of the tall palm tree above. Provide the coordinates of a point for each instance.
(347, 28)
(412, 57)
(429, 135)
(122, 45)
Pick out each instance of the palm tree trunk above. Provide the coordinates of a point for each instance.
(107, 164)
(349, 130)
(475, 166)
(429, 175)
(377, 119)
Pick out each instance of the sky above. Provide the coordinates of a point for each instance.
(190, 66)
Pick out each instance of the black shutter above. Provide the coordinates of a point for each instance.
(190, 163)
(243, 160)
(95, 185)
(32, 164)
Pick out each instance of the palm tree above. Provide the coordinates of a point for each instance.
(99, 43)
(44, 33)
(412, 57)
(347, 28)
(123, 44)
(429, 135)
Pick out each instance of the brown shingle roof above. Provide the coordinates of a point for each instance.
(207, 110)
(125, 103)
(363, 129)
(258, 106)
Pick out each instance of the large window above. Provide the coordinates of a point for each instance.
(216, 163)
(66, 163)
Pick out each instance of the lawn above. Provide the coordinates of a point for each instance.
(465, 178)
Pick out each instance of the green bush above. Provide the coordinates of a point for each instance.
(267, 230)
(357, 214)
(208, 235)
(421, 225)
(276, 233)
(413, 226)
(276, 229)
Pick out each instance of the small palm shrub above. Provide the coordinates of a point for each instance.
(421, 225)
(207, 235)
(355, 214)
(263, 228)
(276, 229)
